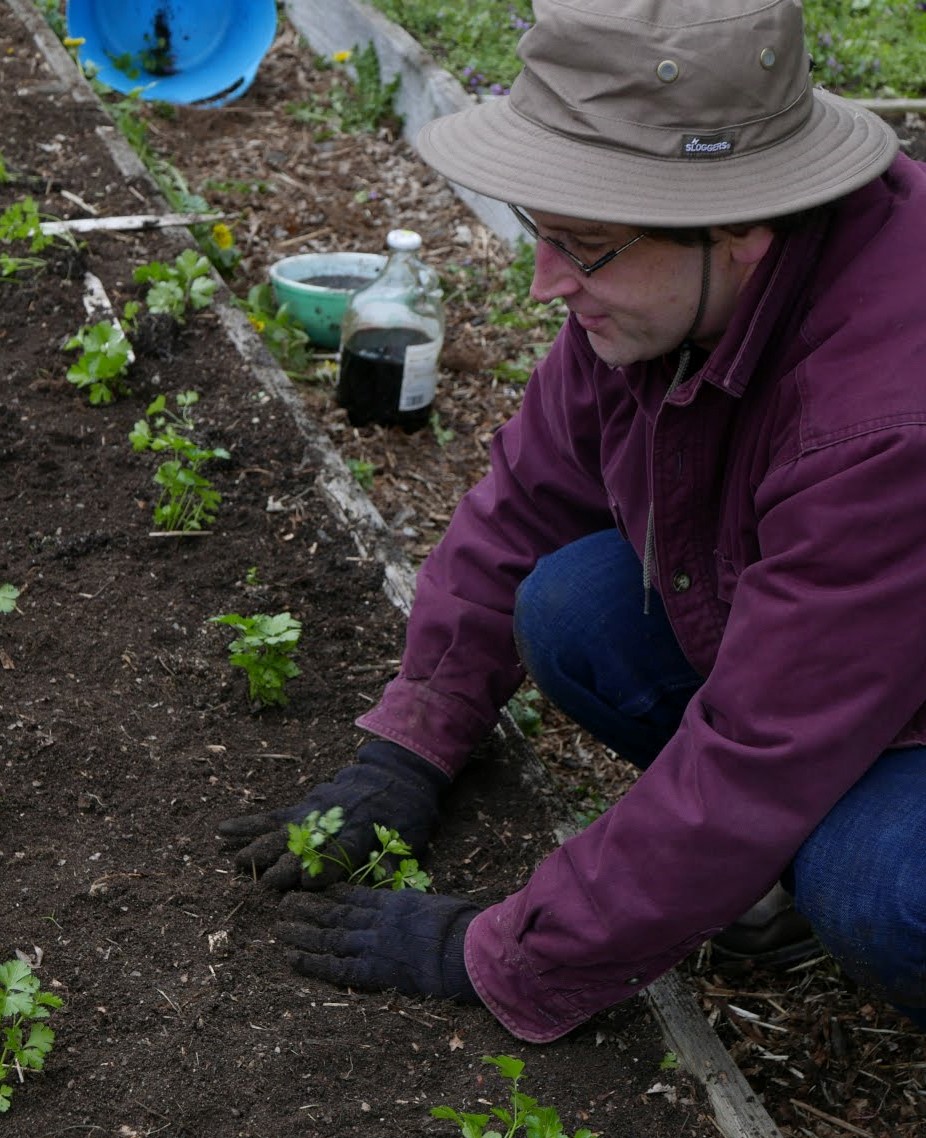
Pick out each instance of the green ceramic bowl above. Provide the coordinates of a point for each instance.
(316, 287)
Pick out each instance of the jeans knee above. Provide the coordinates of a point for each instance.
(878, 935)
(541, 605)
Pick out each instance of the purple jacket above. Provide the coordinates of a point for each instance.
(788, 478)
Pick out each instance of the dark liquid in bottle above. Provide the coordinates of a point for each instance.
(370, 379)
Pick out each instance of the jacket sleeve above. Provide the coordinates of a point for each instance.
(543, 490)
(821, 666)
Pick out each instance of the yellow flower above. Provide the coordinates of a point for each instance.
(259, 325)
(342, 56)
(73, 41)
(222, 236)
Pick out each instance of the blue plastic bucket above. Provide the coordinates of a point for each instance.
(175, 51)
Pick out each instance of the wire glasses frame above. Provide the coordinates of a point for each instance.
(528, 224)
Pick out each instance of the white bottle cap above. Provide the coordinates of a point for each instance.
(403, 240)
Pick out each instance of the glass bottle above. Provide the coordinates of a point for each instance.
(391, 337)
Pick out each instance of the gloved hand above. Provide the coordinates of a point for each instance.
(380, 938)
(388, 784)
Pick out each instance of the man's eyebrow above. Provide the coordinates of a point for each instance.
(580, 228)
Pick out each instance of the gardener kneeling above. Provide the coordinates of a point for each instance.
(703, 536)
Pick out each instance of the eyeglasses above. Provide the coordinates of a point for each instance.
(532, 229)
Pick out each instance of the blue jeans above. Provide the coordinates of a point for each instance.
(860, 878)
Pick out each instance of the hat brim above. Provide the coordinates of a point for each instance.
(495, 151)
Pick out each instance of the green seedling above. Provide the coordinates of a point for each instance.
(362, 471)
(524, 1116)
(9, 595)
(314, 842)
(188, 500)
(264, 648)
(523, 711)
(287, 341)
(51, 10)
(22, 221)
(25, 1040)
(187, 283)
(105, 357)
(442, 435)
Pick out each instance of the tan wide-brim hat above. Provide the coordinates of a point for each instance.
(663, 113)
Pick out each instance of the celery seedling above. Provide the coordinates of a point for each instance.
(188, 500)
(309, 839)
(525, 1115)
(104, 360)
(264, 650)
(24, 1041)
(187, 283)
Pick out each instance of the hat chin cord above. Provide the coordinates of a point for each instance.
(684, 358)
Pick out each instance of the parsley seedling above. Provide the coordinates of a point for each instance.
(525, 1116)
(24, 1040)
(307, 842)
(264, 649)
(188, 500)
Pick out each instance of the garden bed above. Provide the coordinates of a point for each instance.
(126, 737)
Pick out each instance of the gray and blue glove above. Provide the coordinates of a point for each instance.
(388, 784)
(377, 939)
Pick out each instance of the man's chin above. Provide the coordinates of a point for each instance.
(605, 349)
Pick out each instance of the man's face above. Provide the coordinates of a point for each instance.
(642, 304)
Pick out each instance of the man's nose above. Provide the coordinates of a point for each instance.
(554, 276)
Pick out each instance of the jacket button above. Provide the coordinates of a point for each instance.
(681, 582)
(632, 981)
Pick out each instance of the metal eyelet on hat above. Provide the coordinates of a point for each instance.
(667, 70)
(767, 58)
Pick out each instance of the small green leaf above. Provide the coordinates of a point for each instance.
(9, 594)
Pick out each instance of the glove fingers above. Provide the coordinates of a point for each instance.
(287, 873)
(261, 853)
(332, 941)
(351, 913)
(247, 826)
(339, 971)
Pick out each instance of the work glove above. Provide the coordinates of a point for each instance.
(381, 938)
(388, 784)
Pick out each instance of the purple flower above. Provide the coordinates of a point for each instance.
(825, 39)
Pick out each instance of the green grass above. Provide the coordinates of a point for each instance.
(861, 48)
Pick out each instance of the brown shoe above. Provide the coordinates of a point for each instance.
(771, 933)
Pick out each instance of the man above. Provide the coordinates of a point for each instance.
(703, 535)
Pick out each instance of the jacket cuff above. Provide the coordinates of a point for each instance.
(442, 729)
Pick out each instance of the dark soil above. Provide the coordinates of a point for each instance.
(126, 737)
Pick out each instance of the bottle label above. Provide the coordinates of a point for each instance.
(419, 375)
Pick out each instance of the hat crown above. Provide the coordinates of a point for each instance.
(674, 79)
